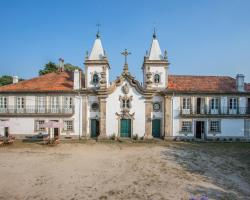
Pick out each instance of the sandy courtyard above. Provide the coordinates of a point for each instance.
(125, 171)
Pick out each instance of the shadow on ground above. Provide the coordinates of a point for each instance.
(225, 165)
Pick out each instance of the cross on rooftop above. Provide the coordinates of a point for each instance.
(126, 53)
(98, 31)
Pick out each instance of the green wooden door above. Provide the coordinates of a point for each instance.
(125, 129)
(156, 128)
(94, 128)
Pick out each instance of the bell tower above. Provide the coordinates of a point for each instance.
(96, 66)
(155, 67)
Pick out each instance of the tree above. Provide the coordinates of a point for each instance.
(48, 68)
(6, 80)
(52, 67)
(70, 67)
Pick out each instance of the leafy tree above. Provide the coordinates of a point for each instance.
(48, 68)
(52, 67)
(70, 67)
(6, 80)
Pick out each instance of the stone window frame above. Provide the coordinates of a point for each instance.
(95, 73)
(67, 125)
(94, 110)
(157, 102)
(36, 129)
(160, 76)
(209, 126)
(125, 98)
(181, 125)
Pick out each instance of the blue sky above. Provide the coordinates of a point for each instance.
(202, 37)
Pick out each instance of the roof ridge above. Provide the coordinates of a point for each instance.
(179, 75)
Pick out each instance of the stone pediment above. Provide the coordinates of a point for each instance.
(132, 83)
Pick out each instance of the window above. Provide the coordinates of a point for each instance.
(68, 102)
(186, 126)
(95, 106)
(54, 104)
(41, 104)
(20, 102)
(186, 103)
(68, 125)
(95, 79)
(3, 102)
(233, 104)
(157, 78)
(38, 126)
(156, 106)
(214, 126)
(214, 103)
(126, 103)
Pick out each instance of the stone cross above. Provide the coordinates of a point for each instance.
(126, 53)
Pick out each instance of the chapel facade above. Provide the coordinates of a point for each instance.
(85, 104)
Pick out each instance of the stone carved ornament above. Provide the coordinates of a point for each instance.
(125, 89)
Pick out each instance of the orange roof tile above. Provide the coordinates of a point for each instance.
(215, 84)
(55, 81)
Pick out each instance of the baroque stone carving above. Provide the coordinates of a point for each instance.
(125, 89)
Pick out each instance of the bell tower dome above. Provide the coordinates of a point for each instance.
(155, 66)
(96, 64)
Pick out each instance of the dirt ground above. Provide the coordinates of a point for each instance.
(125, 171)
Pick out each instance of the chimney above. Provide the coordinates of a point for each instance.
(240, 83)
(77, 80)
(15, 79)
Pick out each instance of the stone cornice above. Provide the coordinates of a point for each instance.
(96, 62)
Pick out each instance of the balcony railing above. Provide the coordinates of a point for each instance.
(219, 111)
(11, 110)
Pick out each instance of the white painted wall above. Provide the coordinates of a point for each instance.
(176, 101)
(232, 127)
(113, 106)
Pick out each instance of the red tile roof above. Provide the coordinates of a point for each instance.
(180, 83)
(56, 81)
(63, 81)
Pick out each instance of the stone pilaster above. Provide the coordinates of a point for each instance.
(102, 124)
(84, 116)
(168, 130)
(148, 119)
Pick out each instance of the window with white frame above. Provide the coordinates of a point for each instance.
(38, 125)
(68, 125)
(3, 102)
(54, 103)
(214, 126)
(186, 103)
(41, 103)
(214, 103)
(20, 103)
(68, 102)
(233, 103)
(186, 126)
